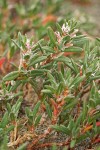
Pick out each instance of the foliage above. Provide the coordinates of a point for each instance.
(67, 64)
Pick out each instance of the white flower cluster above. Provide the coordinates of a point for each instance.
(58, 36)
(66, 31)
(65, 28)
(26, 52)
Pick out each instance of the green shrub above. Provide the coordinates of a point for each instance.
(70, 85)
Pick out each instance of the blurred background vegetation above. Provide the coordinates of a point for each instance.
(32, 17)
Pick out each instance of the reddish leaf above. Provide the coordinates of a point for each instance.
(68, 53)
(92, 112)
(98, 124)
(87, 128)
(49, 18)
(55, 106)
(97, 141)
(81, 73)
(2, 60)
(43, 107)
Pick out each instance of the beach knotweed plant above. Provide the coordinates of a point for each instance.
(67, 68)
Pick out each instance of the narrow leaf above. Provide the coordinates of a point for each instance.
(37, 120)
(52, 36)
(36, 108)
(49, 110)
(11, 76)
(73, 49)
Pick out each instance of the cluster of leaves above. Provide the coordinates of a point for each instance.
(70, 92)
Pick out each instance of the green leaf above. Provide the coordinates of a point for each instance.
(17, 109)
(8, 107)
(52, 79)
(33, 58)
(61, 78)
(52, 36)
(78, 121)
(50, 76)
(14, 87)
(60, 88)
(12, 116)
(66, 39)
(49, 110)
(1, 130)
(61, 128)
(23, 146)
(19, 38)
(77, 80)
(73, 49)
(51, 88)
(94, 78)
(78, 37)
(71, 104)
(46, 91)
(48, 49)
(65, 60)
(16, 44)
(98, 39)
(37, 72)
(9, 129)
(37, 120)
(27, 111)
(36, 60)
(4, 120)
(54, 147)
(71, 123)
(4, 143)
(79, 40)
(72, 144)
(62, 69)
(75, 66)
(11, 76)
(36, 108)
(84, 110)
(59, 28)
(87, 47)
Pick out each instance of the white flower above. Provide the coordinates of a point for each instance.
(58, 34)
(59, 38)
(65, 28)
